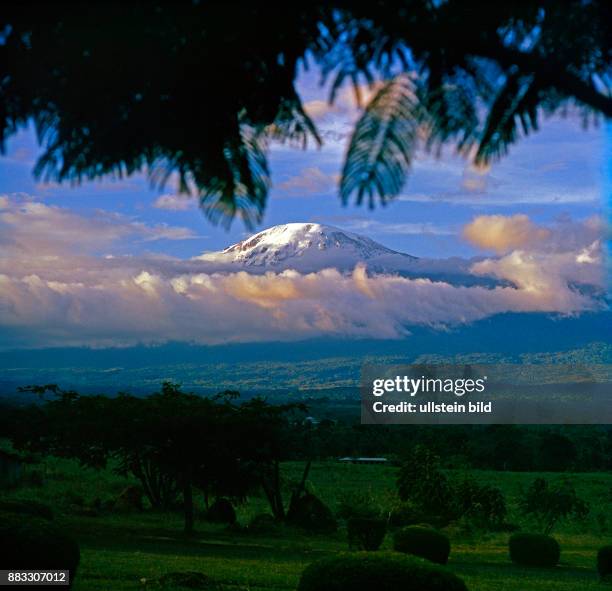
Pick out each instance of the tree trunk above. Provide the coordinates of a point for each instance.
(272, 488)
(301, 487)
(188, 500)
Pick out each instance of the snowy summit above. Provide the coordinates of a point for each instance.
(305, 247)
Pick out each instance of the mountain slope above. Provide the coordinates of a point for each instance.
(307, 247)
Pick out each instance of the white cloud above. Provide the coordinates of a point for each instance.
(29, 226)
(171, 202)
(408, 228)
(125, 306)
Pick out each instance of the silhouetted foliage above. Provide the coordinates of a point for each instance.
(200, 89)
(422, 482)
(556, 453)
(403, 514)
(429, 496)
(364, 571)
(534, 550)
(312, 514)
(359, 504)
(30, 543)
(484, 505)
(604, 563)
(423, 542)
(179, 439)
(29, 507)
(366, 533)
(221, 511)
(549, 504)
(263, 523)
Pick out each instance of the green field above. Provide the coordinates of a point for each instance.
(129, 551)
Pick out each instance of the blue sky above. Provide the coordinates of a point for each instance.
(556, 173)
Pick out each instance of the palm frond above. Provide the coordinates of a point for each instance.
(452, 109)
(516, 104)
(243, 190)
(293, 125)
(383, 143)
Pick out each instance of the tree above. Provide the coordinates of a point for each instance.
(557, 452)
(422, 482)
(200, 89)
(550, 504)
(171, 441)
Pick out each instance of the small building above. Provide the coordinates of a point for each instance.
(11, 469)
(350, 460)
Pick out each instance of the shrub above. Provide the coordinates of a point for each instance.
(221, 511)
(32, 508)
(604, 562)
(403, 514)
(534, 550)
(358, 504)
(366, 533)
(424, 542)
(188, 580)
(362, 571)
(36, 544)
(34, 478)
(550, 504)
(482, 504)
(312, 514)
(422, 482)
(263, 523)
(74, 498)
(130, 499)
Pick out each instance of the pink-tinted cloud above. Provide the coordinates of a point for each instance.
(504, 233)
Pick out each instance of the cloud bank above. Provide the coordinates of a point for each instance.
(55, 289)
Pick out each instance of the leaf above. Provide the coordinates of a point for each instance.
(516, 103)
(293, 125)
(452, 109)
(383, 144)
(243, 189)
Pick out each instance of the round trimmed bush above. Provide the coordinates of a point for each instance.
(221, 511)
(32, 508)
(36, 544)
(364, 571)
(424, 542)
(604, 562)
(312, 514)
(366, 533)
(534, 550)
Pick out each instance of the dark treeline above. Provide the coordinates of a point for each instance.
(174, 443)
(492, 447)
(231, 433)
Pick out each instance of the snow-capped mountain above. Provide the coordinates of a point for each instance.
(307, 247)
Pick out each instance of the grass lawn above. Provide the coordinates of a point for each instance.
(130, 551)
